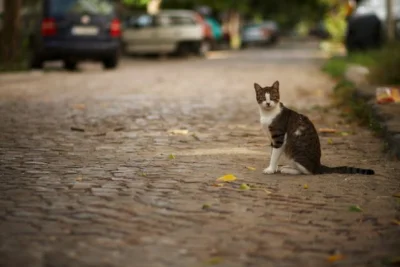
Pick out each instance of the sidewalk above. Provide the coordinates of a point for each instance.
(388, 115)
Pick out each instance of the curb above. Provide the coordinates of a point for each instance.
(387, 115)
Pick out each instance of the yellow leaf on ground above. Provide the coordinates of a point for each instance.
(396, 222)
(171, 156)
(336, 257)
(179, 131)
(250, 168)
(244, 187)
(227, 178)
(330, 141)
(344, 133)
(305, 186)
(218, 184)
(214, 261)
(206, 206)
(396, 195)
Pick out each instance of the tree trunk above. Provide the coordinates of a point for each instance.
(10, 45)
(234, 29)
(153, 6)
(390, 21)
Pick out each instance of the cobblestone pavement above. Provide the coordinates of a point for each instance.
(113, 196)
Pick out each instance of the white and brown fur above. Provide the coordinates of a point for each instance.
(294, 135)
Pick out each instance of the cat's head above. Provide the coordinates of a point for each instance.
(267, 97)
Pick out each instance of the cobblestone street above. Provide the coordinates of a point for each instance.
(91, 175)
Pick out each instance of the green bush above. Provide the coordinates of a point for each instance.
(386, 69)
(335, 23)
(336, 66)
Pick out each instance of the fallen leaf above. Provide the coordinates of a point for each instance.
(396, 195)
(327, 130)
(344, 133)
(250, 168)
(355, 208)
(79, 106)
(195, 137)
(218, 184)
(267, 191)
(391, 261)
(214, 261)
(206, 206)
(227, 178)
(78, 179)
(330, 141)
(305, 186)
(244, 187)
(171, 156)
(179, 132)
(336, 257)
(396, 222)
(143, 174)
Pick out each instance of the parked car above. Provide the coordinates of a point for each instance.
(264, 33)
(366, 26)
(169, 31)
(216, 32)
(73, 31)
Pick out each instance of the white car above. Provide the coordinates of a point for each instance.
(169, 31)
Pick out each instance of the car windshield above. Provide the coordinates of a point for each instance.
(93, 7)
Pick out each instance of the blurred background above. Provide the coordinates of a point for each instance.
(33, 32)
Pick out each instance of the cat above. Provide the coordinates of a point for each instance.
(295, 135)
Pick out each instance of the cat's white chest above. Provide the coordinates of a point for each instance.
(266, 119)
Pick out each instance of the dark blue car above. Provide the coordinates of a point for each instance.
(76, 30)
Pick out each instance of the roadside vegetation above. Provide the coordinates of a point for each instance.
(384, 69)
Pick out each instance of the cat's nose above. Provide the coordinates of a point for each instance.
(268, 104)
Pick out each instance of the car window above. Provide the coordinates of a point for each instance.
(166, 20)
(92, 7)
(144, 21)
(163, 20)
(182, 20)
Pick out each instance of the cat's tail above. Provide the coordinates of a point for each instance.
(345, 169)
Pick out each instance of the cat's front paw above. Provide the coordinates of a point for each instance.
(269, 170)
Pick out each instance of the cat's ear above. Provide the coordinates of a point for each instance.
(257, 87)
(276, 85)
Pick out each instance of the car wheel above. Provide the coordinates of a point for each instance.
(203, 48)
(36, 62)
(111, 63)
(70, 65)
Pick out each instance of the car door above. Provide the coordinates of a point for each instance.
(186, 28)
(140, 35)
(175, 28)
(166, 33)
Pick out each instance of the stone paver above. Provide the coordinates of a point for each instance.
(112, 196)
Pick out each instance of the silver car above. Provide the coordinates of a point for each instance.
(167, 32)
(264, 33)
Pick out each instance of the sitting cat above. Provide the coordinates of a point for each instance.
(295, 135)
